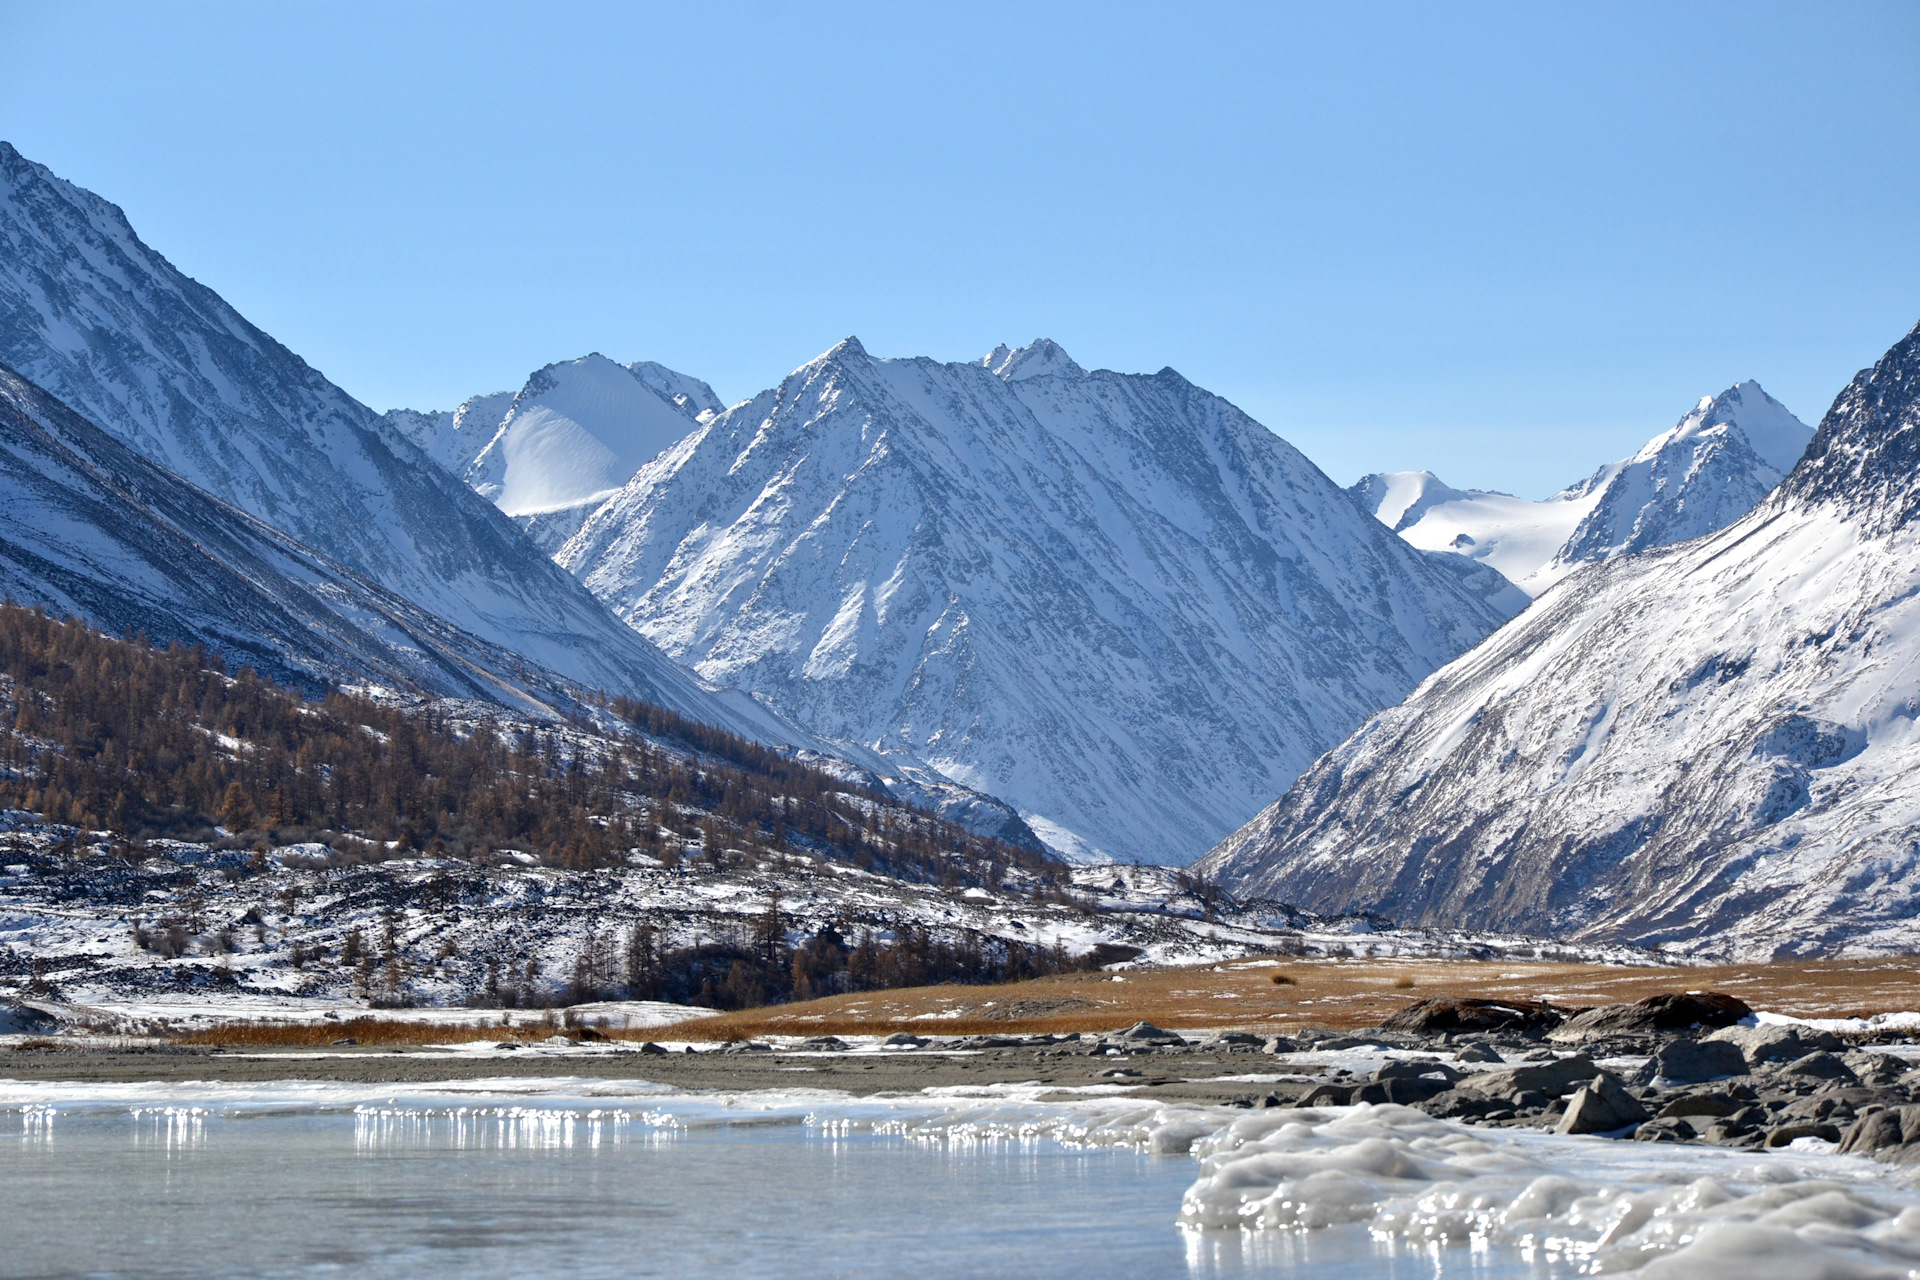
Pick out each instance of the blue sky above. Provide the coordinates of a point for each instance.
(1503, 241)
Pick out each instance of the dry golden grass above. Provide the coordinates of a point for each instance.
(1339, 994)
(1254, 995)
(366, 1031)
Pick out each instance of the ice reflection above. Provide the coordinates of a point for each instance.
(377, 1130)
(170, 1130)
(36, 1126)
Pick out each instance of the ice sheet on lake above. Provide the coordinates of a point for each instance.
(1603, 1206)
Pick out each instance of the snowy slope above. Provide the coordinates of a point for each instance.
(1112, 599)
(1711, 744)
(89, 527)
(1510, 534)
(574, 434)
(1702, 474)
(577, 431)
(108, 326)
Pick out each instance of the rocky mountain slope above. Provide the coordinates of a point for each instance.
(1709, 745)
(577, 431)
(1113, 600)
(108, 326)
(1702, 474)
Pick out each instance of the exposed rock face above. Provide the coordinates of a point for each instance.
(1707, 745)
(1455, 1014)
(1667, 1013)
(1112, 599)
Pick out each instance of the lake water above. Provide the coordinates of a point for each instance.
(582, 1178)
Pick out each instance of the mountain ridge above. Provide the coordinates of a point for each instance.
(889, 549)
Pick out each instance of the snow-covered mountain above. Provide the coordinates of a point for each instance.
(1114, 600)
(89, 527)
(1702, 474)
(574, 434)
(1711, 744)
(91, 314)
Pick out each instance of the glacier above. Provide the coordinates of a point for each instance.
(1708, 746)
(1113, 600)
(1702, 474)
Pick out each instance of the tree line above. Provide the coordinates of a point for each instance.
(118, 734)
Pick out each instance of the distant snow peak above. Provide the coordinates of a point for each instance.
(1112, 600)
(570, 437)
(1041, 358)
(1706, 471)
(577, 430)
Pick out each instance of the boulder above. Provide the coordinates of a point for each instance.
(1777, 1042)
(1147, 1033)
(1414, 1069)
(1336, 1043)
(1451, 1014)
(1601, 1106)
(1820, 1065)
(1668, 1012)
(1665, 1129)
(908, 1040)
(1697, 1061)
(651, 1047)
(824, 1044)
(1461, 1102)
(1553, 1078)
(1782, 1135)
(1233, 1040)
(1892, 1135)
(1410, 1091)
(1874, 1068)
(1699, 1106)
(1478, 1053)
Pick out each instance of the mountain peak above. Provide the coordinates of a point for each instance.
(1775, 435)
(1043, 357)
(848, 348)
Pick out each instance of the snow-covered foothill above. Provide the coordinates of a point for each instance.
(1113, 600)
(1708, 746)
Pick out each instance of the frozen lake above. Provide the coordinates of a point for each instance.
(586, 1178)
